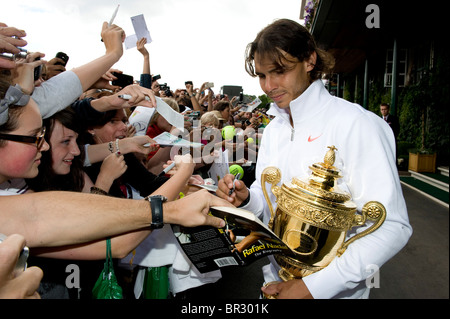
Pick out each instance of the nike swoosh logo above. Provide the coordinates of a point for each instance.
(310, 139)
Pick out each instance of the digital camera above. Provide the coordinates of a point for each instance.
(21, 263)
(11, 56)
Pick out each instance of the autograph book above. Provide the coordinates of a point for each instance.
(243, 240)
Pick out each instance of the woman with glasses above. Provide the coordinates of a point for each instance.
(21, 137)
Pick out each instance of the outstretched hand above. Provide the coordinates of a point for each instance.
(193, 210)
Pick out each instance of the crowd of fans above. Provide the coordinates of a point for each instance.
(76, 131)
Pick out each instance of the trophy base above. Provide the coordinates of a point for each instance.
(293, 269)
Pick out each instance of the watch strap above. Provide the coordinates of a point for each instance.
(156, 204)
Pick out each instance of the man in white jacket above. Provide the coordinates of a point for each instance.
(307, 120)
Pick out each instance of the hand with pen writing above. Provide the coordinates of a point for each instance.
(183, 163)
(129, 96)
(239, 194)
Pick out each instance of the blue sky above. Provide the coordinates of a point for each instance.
(198, 40)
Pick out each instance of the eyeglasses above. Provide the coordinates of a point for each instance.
(37, 140)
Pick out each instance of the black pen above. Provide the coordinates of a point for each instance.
(238, 175)
(168, 168)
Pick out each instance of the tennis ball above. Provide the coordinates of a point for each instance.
(250, 140)
(234, 169)
(228, 132)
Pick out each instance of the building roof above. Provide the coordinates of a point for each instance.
(340, 27)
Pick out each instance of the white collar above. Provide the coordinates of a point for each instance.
(306, 105)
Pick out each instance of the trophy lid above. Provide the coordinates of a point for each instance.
(322, 182)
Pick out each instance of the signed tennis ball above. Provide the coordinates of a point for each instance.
(234, 169)
(228, 132)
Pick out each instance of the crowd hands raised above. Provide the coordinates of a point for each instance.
(65, 142)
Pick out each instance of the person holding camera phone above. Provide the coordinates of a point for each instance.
(16, 283)
(10, 42)
(55, 66)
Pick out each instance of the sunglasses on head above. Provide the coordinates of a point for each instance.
(37, 140)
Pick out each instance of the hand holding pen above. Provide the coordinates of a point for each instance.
(238, 175)
(131, 95)
(232, 189)
(183, 163)
(112, 18)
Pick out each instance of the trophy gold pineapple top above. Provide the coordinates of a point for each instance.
(330, 157)
(322, 181)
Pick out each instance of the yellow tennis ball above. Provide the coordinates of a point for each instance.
(228, 132)
(250, 140)
(235, 169)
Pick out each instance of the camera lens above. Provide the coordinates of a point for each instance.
(21, 55)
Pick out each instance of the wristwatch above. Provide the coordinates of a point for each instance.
(156, 204)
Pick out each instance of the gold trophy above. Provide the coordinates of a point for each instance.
(313, 216)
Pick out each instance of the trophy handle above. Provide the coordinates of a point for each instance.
(373, 211)
(272, 175)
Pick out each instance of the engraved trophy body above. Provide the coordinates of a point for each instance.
(313, 216)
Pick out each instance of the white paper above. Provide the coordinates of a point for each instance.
(141, 31)
(219, 168)
(251, 106)
(140, 27)
(130, 41)
(140, 118)
(173, 117)
(167, 139)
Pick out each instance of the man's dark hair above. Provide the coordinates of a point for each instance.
(291, 37)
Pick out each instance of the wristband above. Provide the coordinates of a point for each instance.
(117, 147)
(110, 146)
(98, 191)
(156, 205)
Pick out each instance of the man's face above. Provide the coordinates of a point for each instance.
(384, 110)
(286, 83)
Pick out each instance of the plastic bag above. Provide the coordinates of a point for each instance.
(106, 286)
